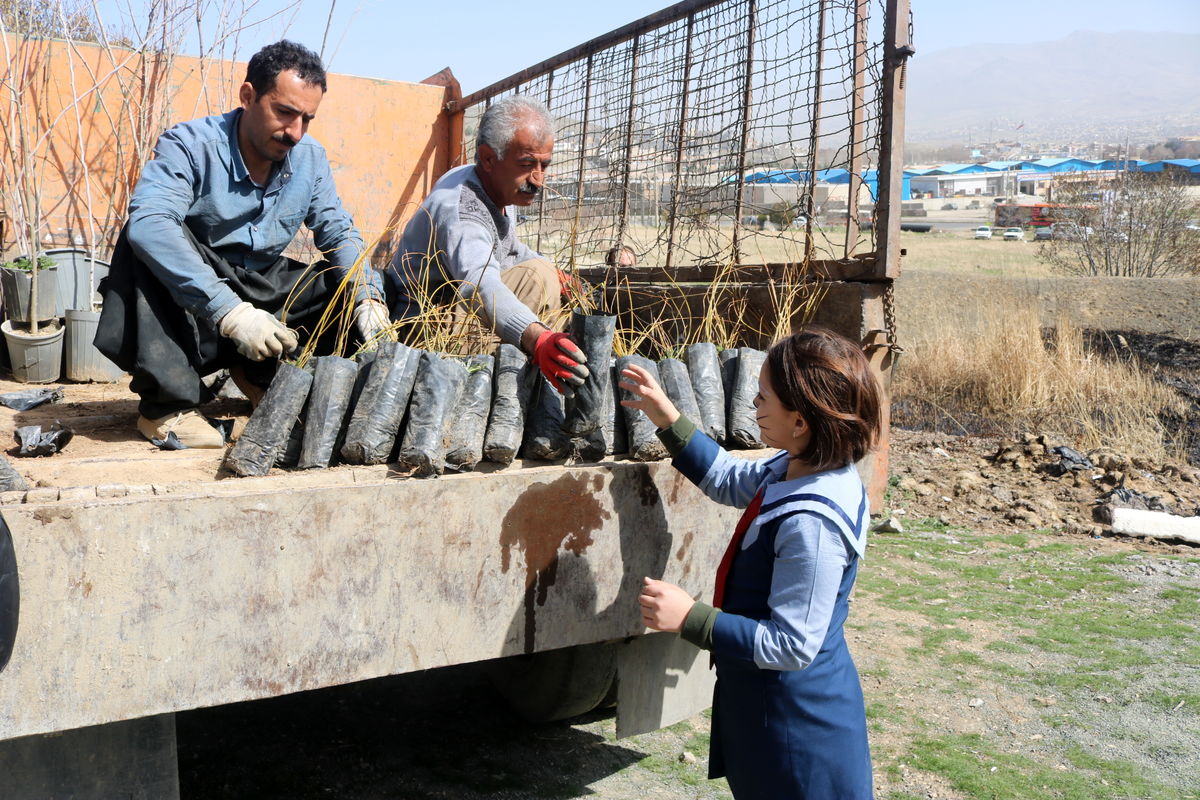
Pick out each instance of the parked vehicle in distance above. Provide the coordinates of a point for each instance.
(1043, 234)
(1014, 234)
(983, 232)
(950, 207)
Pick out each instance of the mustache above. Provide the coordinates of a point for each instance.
(284, 139)
(529, 188)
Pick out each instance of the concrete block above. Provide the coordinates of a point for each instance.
(42, 495)
(12, 498)
(110, 490)
(661, 679)
(77, 494)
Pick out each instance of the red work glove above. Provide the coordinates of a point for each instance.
(560, 360)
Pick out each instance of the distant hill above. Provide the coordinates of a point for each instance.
(1086, 86)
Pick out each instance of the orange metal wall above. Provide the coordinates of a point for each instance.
(387, 141)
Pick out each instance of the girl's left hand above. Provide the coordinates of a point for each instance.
(664, 605)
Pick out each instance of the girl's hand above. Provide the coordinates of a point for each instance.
(664, 605)
(648, 396)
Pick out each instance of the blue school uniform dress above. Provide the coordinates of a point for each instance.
(788, 713)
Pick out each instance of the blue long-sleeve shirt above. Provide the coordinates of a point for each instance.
(198, 178)
(814, 544)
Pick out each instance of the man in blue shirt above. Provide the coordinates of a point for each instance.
(198, 281)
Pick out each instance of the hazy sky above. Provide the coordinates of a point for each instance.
(485, 41)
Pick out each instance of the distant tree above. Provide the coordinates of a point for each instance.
(40, 19)
(1140, 225)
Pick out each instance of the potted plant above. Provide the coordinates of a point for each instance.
(35, 337)
(78, 272)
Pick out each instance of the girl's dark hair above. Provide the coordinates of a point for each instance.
(826, 379)
(266, 64)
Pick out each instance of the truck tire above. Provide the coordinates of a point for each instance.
(557, 684)
(10, 595)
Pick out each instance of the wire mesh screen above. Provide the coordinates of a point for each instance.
(745, 131)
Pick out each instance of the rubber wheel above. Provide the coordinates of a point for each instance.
(557, 684)
(10, 595)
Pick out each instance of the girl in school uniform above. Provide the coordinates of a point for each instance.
(788, 716)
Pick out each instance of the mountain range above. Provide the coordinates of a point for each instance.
(1086, 86)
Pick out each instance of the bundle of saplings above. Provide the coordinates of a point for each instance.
(743, 423)
(587, 408)
(545, 432)
(266, 433)
(439, 384)
(511, 390)
(677, 383)
(376, 417)
(643, 435)
(328, 401)
(615, 440)
(468, 423)
(704, 367)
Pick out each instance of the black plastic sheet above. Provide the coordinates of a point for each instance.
(643, 434)
(31, 398)
(439, 383)
(267, 432)
(468, 423)
(677, 383)
(545, 439)
(10, 479)
(510, 403)
(328, 401)
(375, 420)
(585, 410)
(743, 424)
(615, 440)
(34, 441)
(704, 367)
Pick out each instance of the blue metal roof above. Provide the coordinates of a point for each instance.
(960, 169)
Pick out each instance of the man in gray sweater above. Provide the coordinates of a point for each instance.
(461, 245)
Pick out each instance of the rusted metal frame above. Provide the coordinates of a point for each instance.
(542, 194)
(897, 47)
(857, 123)
(611, 39)
(685, 95)
(849, 269)
(579, 187)
(814, 138)
(747, 98)
(629, 120)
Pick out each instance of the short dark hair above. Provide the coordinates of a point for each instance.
(266, 64)
(826, 379)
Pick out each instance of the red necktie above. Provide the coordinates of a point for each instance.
(734, 545)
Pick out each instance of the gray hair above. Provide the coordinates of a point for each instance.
(504, 117)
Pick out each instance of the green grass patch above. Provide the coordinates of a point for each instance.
(978, 769)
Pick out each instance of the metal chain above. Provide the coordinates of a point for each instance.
(889, 317)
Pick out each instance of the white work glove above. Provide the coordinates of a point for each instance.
(373, 321)
(257, 333)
